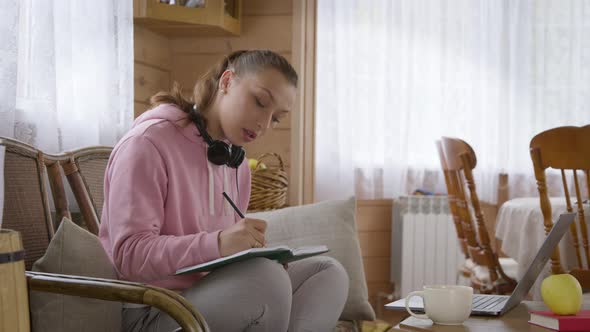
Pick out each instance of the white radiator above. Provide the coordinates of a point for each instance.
(424, 246)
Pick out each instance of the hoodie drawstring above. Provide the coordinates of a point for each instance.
(211, 189)
(227, 209)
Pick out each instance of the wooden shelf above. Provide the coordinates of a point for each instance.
(175, 20)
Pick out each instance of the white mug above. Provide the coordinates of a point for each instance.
(444, 305)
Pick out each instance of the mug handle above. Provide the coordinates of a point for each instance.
(412, 294)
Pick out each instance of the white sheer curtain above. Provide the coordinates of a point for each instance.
(394, 76)
(66, 72)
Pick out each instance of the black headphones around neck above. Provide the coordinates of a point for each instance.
(219, 152)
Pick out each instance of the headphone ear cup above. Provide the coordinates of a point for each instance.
(237, 156)
(218, 153)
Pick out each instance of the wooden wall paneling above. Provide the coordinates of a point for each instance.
(152, 66)
(258, 32)
(373, 219)
(276, 141)
(302, 120)
(266, 32)
(367, 224)
(288, 170)
(139, 108)
(375, 244)
(202, 45)
(266, 7)
(377, 269)
(374, 215)
(379, 295)
(379, 288)
(148, 81)
(285, 124)
(152, 48)
(189, 67)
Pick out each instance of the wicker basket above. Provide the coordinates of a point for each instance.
(269, 186)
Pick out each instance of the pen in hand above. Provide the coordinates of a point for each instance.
(233, 205)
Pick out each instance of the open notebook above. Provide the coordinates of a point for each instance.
(281, 254)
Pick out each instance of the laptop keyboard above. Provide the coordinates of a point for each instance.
(488, 302)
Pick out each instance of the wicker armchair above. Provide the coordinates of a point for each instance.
(27, 211)
(84, 169)
(122, 291)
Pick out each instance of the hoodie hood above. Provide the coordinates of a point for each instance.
(174, 115)
(168, 112)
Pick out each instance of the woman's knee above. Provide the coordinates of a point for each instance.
(256, 296)
(271, 273)
(333, 277)
(330, 266)
(274, 292)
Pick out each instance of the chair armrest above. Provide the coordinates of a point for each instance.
(189, 319)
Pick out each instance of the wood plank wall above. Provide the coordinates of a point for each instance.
(152, 66)
(373, 219)
(266, 24)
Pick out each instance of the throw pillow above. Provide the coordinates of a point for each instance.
(74, 251)
(330, 223)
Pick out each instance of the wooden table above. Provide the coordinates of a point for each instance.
(515, 320)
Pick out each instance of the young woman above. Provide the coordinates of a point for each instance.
(164, 207)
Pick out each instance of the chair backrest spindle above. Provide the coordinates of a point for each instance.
(565, 148)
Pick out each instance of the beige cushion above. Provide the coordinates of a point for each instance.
(330, 223)
(74, 251)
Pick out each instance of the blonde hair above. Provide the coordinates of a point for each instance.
(240, 62)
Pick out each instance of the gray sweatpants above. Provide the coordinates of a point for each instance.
(259, 295)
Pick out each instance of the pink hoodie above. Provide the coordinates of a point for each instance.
(163, 206)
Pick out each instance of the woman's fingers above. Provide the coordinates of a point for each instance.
(256, 230)
(257, 224)
(258, 238)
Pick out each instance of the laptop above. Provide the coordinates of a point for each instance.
(497, 305)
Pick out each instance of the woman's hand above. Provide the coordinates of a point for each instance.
(245, 234)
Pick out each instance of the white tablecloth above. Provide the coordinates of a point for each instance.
(519, 226)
